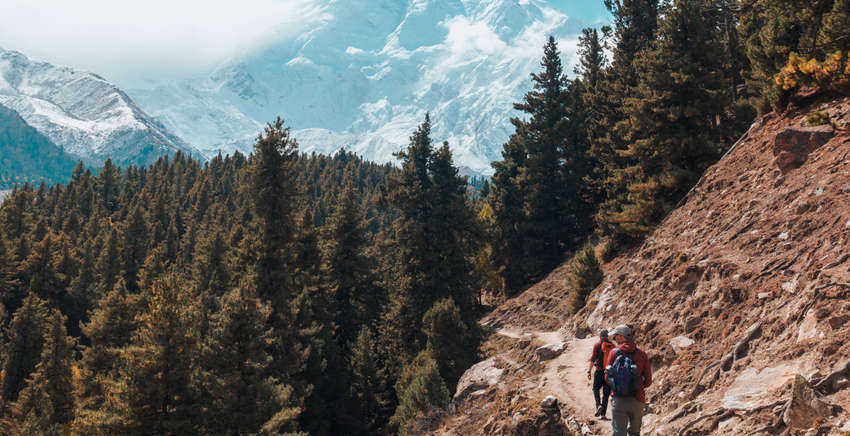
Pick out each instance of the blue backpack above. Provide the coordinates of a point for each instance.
(623, 375)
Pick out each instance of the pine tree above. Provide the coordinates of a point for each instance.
(635, 23)
(774, 29)
(348, 271)
(108, 185)
(585, 275)
(135, 247)
(39, 271)
(433, 229)
(452, 342)
(238, 397)
(274, 190)
(110, 328)
(108, 267)
(154, 393)
(671, 119)
(544, 226)
(368, 387)
(24, 346)
(506, 202)
(9, 284)
(51, 381)
(539, 196)
(421, 390)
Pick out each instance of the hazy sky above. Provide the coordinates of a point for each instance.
(127, 41)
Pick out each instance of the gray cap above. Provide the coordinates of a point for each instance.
(603, 333)
(623, 330)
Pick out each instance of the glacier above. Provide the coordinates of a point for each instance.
(84, 114)
(363, 77)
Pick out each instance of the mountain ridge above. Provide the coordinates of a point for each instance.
(466, 62)
(83, 113)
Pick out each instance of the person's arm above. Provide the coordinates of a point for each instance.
(646, 373)
(596, 349)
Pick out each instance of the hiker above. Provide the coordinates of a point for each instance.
(628, 373)
(597, 369)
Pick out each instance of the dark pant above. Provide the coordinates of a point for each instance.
(599, 383)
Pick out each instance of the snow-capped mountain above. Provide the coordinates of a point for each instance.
(83, 113)
(363, 77)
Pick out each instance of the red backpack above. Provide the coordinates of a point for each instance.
(607, 346)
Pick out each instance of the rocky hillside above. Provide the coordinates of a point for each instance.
(740, 297)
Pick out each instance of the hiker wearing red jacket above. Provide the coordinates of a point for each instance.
(629, 398)
(596, 372)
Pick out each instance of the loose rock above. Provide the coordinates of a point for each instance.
(549, 351)
(804, 409)
(681, 343)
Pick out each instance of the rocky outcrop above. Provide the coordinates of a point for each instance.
(793, 145)
(549, 351)
(545, 421)
(478, 378)
(804, 410)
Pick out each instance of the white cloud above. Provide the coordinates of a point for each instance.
(469, 36)
(130, 40)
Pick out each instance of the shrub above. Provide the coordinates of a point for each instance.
(451, 341)
(833, 73)
(586, 275)
(817, 119)
(421, 390)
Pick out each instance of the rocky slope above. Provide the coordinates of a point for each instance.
(465, 61)
(740, 297)
(83, 113)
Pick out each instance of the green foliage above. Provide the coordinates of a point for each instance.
(773, 30)
(23, 350)
(154, 392)
(538, 195)
(670, 134)
(47, 401)
(450, 341)
(421, 390)
(237, 394)
(368, 389)
(435, 231)
(817, 119)
(585, 275)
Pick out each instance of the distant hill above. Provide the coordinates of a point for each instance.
(28, 156)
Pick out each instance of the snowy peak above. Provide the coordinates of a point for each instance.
(364, 75)
(83, 113)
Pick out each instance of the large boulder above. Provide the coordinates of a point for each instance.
(793, 145)
(804, 410)
(549, 351)
(479, 377)
(681, 343)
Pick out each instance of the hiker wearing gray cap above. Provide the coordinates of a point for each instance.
(628, 372)
(596, 372)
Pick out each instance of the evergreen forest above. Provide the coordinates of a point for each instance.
(287, 293)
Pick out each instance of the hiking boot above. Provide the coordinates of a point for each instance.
(598, 411)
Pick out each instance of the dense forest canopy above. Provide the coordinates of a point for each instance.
(283, 293)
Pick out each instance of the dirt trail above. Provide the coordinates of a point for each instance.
(565, 377)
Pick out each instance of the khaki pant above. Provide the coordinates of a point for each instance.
(626, 416)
